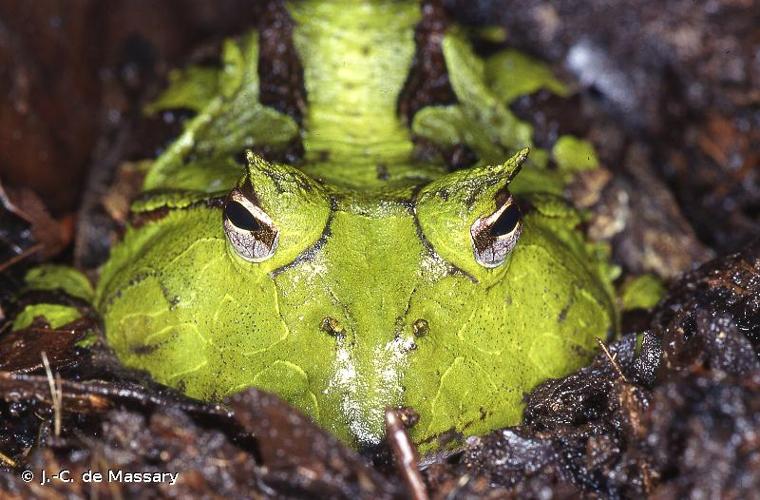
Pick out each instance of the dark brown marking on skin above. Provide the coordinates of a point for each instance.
(445, 437)
(502, 196)
(148, 349)
(281, 80)
(456, 271)
(139, 219)
(145, 349)
(248, 191)
(135, 280)
(332, 326)
(428, 80)
(382, 171)
(277, 180)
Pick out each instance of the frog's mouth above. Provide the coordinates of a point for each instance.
(369, 381)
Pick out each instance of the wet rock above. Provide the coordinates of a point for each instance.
(703, 436)
(712, 316)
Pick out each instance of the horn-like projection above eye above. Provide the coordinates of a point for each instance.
(470, 219)
(493, 237)
(249, 229)
(275, 214)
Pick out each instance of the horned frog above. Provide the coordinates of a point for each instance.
(365, 276)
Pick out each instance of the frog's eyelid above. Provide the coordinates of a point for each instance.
(253, 245)
(255, 211)
(492, 250)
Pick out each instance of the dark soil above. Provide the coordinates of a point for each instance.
(668, 91)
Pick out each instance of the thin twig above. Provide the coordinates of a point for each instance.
(613, 360)
(405, 454)
(23, 255)
(8, 460)
(55, 393)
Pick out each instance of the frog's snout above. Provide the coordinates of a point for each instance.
(368, 372)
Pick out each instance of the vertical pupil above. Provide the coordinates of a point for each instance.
(240, 217)
(506, 222)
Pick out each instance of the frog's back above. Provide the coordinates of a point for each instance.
(354, 59)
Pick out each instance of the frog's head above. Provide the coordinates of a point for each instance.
(389, 282)
(446, 298)
(350, 304)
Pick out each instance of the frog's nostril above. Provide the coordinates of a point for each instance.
(332, 326)
(420, 327)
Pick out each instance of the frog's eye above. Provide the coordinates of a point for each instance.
(494, 236)
(275, 214)
(249, 229)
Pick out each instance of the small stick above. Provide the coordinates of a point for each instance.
(405, 454)
(8, 460)
(613, 361)
(55, 393)
(23, 255)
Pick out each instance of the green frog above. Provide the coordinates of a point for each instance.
(368, 274)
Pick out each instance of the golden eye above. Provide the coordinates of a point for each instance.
(249, 229)
(494, 236)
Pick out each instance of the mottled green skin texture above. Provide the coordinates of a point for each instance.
(370, 254)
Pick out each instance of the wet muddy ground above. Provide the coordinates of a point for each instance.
(668, 91)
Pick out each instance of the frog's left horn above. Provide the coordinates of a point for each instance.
(513, 165)
(253, 160)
